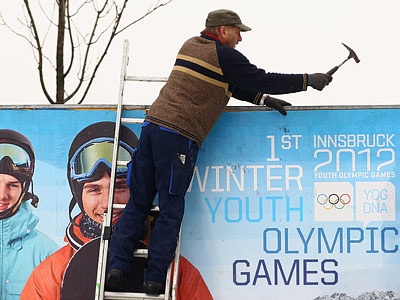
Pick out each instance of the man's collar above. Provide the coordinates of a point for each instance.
(209, 34)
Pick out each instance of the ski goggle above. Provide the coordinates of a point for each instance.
(20, 160)
(90, 155)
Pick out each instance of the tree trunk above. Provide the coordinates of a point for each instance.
(60, 52)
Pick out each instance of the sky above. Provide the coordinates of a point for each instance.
(288, 36)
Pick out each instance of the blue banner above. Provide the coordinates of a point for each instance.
(279, 207)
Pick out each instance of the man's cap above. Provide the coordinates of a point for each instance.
(224, 17)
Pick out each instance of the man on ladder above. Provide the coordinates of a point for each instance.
(207, 72)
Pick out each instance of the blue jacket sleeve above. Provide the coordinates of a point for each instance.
(244, 76)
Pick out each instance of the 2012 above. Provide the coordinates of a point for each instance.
(336, 157)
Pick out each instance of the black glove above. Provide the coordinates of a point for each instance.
(277, 104)
(318, 80)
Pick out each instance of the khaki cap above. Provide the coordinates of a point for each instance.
(224, 17)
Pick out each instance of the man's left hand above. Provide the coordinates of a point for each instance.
(277, 104)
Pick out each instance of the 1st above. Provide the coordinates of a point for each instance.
(287, 142)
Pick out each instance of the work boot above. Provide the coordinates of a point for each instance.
(153, 288)
(115, 281)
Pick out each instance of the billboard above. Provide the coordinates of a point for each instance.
(300, 205)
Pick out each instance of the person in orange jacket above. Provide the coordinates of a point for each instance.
(89, 167)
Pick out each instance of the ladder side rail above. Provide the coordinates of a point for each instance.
(174, 288)
(171, 287)
(101, 267)
(167, 290)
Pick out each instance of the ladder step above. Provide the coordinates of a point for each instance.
(130, 296)
(146, 78)
(132, 120)
(119, 206)
(143, 253)
(122, 163)
(155, 208)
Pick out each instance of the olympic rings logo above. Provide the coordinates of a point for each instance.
(333, 200)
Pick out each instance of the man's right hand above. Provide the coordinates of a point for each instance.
(318, 80)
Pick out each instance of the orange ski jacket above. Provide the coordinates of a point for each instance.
(46, 279)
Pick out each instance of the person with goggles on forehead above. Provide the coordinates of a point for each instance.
(22, 247)
(89, 171)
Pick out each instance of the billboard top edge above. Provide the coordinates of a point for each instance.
(228, 108)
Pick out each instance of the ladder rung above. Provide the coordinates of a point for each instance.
(118, 205)
(156, 208)
(141, 253)
(146, 78)
(130, 296)
(122, 163)
(132, 120)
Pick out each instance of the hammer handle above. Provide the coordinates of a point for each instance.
(333, 70)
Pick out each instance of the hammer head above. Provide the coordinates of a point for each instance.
(352, 54)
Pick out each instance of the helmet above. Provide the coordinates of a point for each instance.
(91, 149)
(17, 159)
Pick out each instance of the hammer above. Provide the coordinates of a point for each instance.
(352, 54)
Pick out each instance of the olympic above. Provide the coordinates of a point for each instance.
(298, 240)
(333, 200)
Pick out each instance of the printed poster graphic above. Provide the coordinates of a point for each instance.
(303, 205)
(367, 202)
(279, 207)
(334, 201)
(376, 202)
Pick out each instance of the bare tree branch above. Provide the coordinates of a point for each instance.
(112, 36)
(158, 5)
(78, 50)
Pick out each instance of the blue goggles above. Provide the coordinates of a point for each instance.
(90, 155)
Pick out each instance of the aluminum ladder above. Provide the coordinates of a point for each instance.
(171, 285)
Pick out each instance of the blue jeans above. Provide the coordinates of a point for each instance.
(163, 163)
